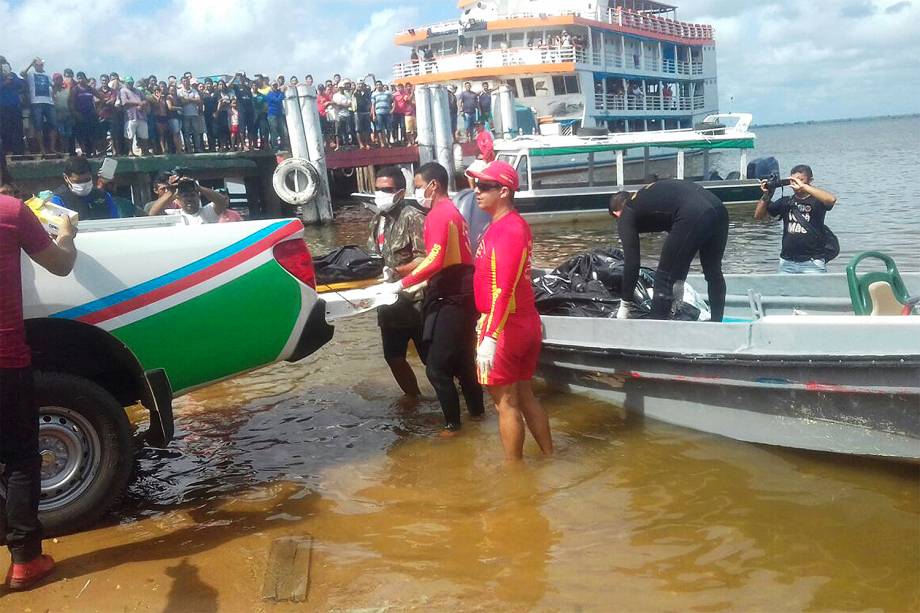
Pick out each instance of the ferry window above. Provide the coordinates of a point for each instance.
(527, 88)
(497, 40)
(571, 84)
(465, 44)
(513, 85)
(565, 85)
(541, 87)
(516, 40)
(450, 47)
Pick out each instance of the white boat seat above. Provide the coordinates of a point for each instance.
(884, 302)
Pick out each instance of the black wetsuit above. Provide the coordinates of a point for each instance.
(695, 220)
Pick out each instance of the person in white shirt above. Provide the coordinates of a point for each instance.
(187, 193)
(343, 100)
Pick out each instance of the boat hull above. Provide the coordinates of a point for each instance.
(787, 381)
(815, 417)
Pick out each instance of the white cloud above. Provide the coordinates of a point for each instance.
(205, 36)
(788, 60)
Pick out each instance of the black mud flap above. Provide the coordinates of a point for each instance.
(316, 333)
(158, 400)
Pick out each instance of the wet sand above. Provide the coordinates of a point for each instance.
(629, 515)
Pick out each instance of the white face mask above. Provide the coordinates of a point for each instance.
(421, 198)
(384, 201)
(81, 189)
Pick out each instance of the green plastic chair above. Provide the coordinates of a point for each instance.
(876, 293)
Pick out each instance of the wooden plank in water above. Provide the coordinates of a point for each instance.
(287, 575)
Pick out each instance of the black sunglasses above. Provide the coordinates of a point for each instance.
(486, 187)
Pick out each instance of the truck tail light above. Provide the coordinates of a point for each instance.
(295, 258)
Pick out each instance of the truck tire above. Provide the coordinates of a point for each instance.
(87, 452)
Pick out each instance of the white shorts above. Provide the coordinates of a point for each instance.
(136, 127)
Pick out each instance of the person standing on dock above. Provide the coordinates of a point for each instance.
(509, 332)
(40, 97)
(469, 107)
(397, 235)
(696, 222)
(382, 109)
(803, 214)
(11, 133)
(449, 313)
(485, 106)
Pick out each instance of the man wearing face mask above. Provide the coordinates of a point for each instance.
(396, 234)
(79, 194)
(449, 313)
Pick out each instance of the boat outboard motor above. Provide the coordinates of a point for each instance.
(761, 168)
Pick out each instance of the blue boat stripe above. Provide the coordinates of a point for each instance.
(170, 277)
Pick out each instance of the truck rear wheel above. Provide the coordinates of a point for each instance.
(87, 452)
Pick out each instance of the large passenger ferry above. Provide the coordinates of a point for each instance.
(620, 65)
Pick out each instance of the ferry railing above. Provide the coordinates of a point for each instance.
(639, 21)
(610, 102)
(613, 60)
(490, 58)
(651, 102)
(617, 16)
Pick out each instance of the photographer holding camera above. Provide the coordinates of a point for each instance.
(187, 193)
(807, 243)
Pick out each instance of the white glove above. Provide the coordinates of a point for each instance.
(388, 274)
(623, 311)
(485, 354)
(393, 287)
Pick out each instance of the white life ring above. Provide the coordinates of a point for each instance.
(287, 168)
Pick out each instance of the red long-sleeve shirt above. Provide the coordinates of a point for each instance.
(502, 277)
(446, 242)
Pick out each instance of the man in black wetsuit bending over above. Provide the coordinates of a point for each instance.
(695, 220)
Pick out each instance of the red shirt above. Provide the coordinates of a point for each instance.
(321, 101)
(501, 281)
(400, 103)
(19, 230)
(447, 242)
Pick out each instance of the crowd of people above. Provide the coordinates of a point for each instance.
(71, 112)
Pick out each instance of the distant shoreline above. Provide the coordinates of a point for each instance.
(847, 120)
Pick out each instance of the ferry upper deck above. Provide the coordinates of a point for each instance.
(626, 64)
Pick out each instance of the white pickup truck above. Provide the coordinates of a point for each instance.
(154, 309)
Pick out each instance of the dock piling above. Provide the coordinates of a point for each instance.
(443, 136)
(316, 150)
(424, 124)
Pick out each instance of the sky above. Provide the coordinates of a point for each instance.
(783, 60)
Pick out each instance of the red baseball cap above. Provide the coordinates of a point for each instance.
(499, 172)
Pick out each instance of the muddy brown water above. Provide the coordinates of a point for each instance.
(630, 515)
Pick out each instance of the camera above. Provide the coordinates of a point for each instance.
(774, 182)
(187, 186)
